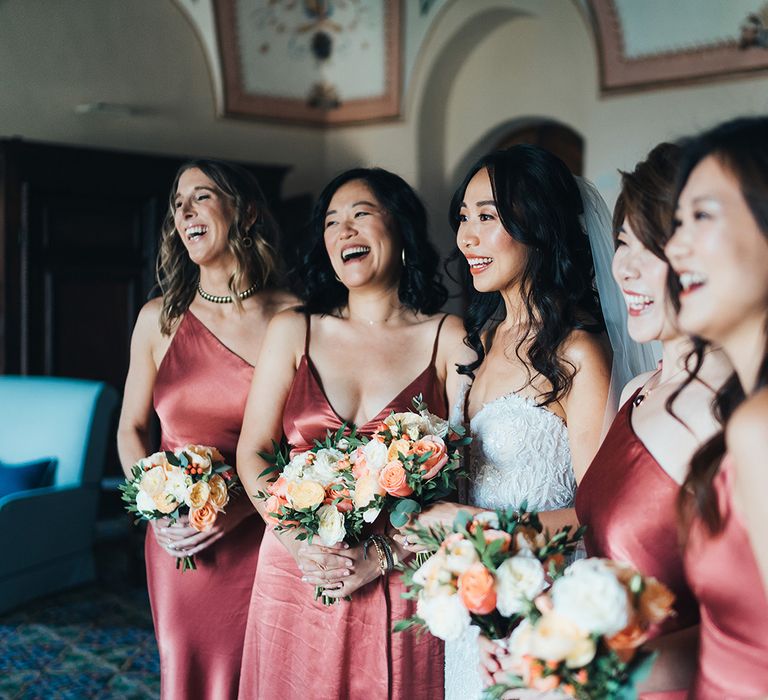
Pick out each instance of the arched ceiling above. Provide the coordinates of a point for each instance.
(329, 62)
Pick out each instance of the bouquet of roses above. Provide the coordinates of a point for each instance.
(582, 637)
(167, 484)
(416, 462)
(485, 571)
(317, 491)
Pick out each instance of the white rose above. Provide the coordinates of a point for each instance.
(177, 485)
(518, 580)
(375, 454)
(324, 466)
(460, 556)
(144, 502)
(435, 577)
(331, 525)
(556, 638)
(590, 595)
(412, 424)
(434, 424)
(343, 444)
(445, 615)
(294, 470)
(153, 481)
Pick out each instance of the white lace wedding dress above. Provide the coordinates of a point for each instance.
(519, 453)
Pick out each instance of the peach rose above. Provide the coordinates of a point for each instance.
(202, 519)
(492, 535)
(198, 494)
(165, 503)
(345, 505)
(656, 601)
(274, 505)
(397, 448)
(157, 459)
(219, 494)
(436, 461)
(305, 494)
(366, 488)
(477, 589)
(279, 487)
(547, 682)
(626, 642)
(393, 479)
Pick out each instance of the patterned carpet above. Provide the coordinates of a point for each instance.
(91, 642)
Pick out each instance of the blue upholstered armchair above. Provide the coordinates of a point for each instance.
(47, 532)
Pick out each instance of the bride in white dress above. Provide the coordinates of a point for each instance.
(537, 405)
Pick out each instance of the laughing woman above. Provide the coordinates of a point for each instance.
(720, 254)
(192, 358)
(369, 340)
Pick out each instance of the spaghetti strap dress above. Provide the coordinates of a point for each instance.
(200, 393)
(628, 503)
(298, 648)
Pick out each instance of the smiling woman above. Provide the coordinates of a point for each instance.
(368, 342)
(192, 358)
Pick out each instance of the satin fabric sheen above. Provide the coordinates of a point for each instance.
(298, 648)
(628, 503)
(199, 395)
(723, 573)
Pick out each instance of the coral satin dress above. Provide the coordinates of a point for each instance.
(200, 394)
(298, 648)
(723, 573)
(628, 503)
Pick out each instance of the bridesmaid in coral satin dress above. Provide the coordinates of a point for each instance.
(192, 359)
(370, 343)
(628, 497)
(720, 254)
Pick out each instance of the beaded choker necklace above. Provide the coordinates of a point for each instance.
(217, 299)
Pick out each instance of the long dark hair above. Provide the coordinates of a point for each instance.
(741, 147)
(539, 205)
(252, 240)
(420, 288)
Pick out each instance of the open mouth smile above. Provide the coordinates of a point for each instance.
(357, 252)
(194, 232)
(479, 264)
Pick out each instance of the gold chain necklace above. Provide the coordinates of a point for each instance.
(645, 393)
(218, 299)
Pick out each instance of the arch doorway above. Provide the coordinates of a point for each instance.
(564, 142)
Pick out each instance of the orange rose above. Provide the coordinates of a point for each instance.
(393, 479)
(477, 589)
(437, 460)
(202, 519)
(345, 505)
(397, 448)
(219, 494)
(625, 643)
(656, 601)
(274, 505)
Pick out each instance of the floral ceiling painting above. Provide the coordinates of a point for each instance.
(324, 62)
(654, 43)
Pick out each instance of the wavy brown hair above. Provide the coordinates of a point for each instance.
(255, 262)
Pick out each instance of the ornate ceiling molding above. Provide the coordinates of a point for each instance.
(702, 62)
(319, 62)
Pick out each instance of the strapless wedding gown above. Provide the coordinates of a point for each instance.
(519, 453)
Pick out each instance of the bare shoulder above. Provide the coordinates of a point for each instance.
(453, 329)
(585, 349)
(634, 384)
(148, 321)
(746, 430)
